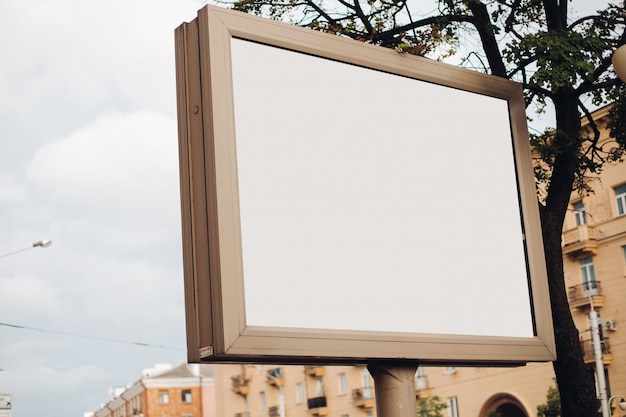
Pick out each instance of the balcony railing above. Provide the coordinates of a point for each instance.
(273, 411)
(243, 414)
(240, 384)
(582, 295)
(317, 406)
(316, 402)
(589, 354)
(275, 376)
(580, 241)
(315, 371)
(363, 397)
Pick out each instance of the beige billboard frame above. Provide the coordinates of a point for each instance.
(217, 329)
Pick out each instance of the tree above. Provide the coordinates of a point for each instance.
(552, 407)
(430, 407)
(563, 64)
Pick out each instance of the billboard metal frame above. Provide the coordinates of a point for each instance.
(213, 271)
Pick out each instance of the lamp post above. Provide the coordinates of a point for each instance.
(594, 324)
(622, 404)
(39, 244)
(619, 62)
(281, 394)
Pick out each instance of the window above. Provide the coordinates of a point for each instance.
(186, 396)
(164, 397)
(579, 213)
(343, 387)
(453, 407)
(319, 384)
(421, 382)
(368, 389)
(263, 400)
(588, 273)
(450, 370)
(369, 413)
(624, 257)
(299, 393)
(620, 197)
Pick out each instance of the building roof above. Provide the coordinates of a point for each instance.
(184, 370)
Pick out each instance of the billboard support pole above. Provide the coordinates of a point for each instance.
(394, 385)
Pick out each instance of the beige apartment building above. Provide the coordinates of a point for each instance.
(594, 250)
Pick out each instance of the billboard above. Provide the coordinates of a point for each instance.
(343, 202)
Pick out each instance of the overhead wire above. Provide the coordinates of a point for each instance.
(105, 339)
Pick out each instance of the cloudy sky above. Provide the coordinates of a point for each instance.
(89, 160)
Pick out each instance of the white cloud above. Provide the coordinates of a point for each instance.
(122, 164)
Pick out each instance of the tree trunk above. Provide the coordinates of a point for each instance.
(576, 382)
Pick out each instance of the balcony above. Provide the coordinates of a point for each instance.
(273, 411)
(275, 377)
(242, 414)
(581, 296)
(317, 406)
(240, 384)
(363, 398)
(315, 371)
(589, 355)
(580, 242)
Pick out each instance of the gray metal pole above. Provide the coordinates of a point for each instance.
(394, 387)
(597, 352)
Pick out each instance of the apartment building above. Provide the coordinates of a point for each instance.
(182, 391)
(281, 391)
(594, 253)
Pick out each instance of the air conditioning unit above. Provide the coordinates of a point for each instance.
(609, 325)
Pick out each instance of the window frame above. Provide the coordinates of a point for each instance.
(186, 396)
(620, 199)
(163, 397)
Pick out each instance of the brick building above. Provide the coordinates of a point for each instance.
(182, 391)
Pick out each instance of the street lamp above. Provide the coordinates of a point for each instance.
(281, 394)
(40, 244)
(622, 404)
(619, 62)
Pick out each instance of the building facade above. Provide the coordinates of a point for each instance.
(594, 254)
(183, 391)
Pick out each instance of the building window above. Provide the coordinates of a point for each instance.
(620, 198)
(186, 396)
(368, 389)
(164, 397)
(299, 393)
(343, 386)
(453, 407)
(588, 273)
(369, 413)
(319, 384)
(624, 258)
(420, 382)
(450, 370)
(579, 213)
(263, 400)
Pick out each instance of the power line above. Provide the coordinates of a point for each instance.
(35, 329)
